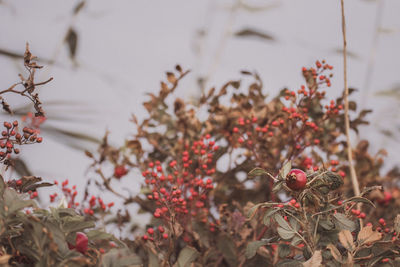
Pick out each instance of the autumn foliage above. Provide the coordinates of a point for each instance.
(234, 178)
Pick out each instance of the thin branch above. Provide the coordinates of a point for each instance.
(353, 175)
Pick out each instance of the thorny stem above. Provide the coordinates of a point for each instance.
(353, 175)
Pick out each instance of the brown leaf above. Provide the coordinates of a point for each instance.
(79, 7)
(335, 252)
(248, 32)
(367, 235)
(171, 77)
(72, 40)
(4, 259)
(346, 238)
(315, 260)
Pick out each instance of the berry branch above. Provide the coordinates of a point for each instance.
(28, 84)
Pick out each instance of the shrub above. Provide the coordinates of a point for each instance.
(235, 178)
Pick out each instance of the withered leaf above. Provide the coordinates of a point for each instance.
(335, 252)
(71, 38)
(346, 238)
(171, 77)
(315, 260)
(367, 235)
(248, 32)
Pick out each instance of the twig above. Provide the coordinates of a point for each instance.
(372, 54)
(353, 175)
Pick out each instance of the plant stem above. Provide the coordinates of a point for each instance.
(353, 175)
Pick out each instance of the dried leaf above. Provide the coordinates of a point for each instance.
(346, 238)
(71, 38)
(335, 253)
(79, 7)
(367, 235)
(4, 259)
(248, 32)
(171, 77)
(315, 260)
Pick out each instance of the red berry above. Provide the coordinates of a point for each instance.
(120, 171)
(150, 231)
(81, 242)
(296, 179)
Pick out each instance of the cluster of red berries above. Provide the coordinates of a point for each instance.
(11, 137)
(249, 131)
(317, 74)
(155, 235)
(387, 198)
(182, 189)
(70, 193)
(307, 163)
(33, 121)
(385, 230)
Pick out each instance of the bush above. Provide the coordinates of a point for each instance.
(224, 182)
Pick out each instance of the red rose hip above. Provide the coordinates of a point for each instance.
(296, 179)
(120, 171)
(81, 242)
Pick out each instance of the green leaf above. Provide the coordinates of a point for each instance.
(285, 169)
(120, 258)
(343, 223)
(186, 257)
(326, 224)
(257, 172)
(283, 250)
(360, 199)
(253, 210)
(268, 214)
(296, 240)
(294, 224)
(277, 186)
(76, 224)
(282, 223)
(227, 246)
(252, 247)
(14, 202)
(153, 260)
(2, 185)
(285, 234)
(94, 235)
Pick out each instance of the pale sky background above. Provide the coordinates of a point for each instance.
(124, 48)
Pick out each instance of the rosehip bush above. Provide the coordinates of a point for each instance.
(235, 178)
(204, 164)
